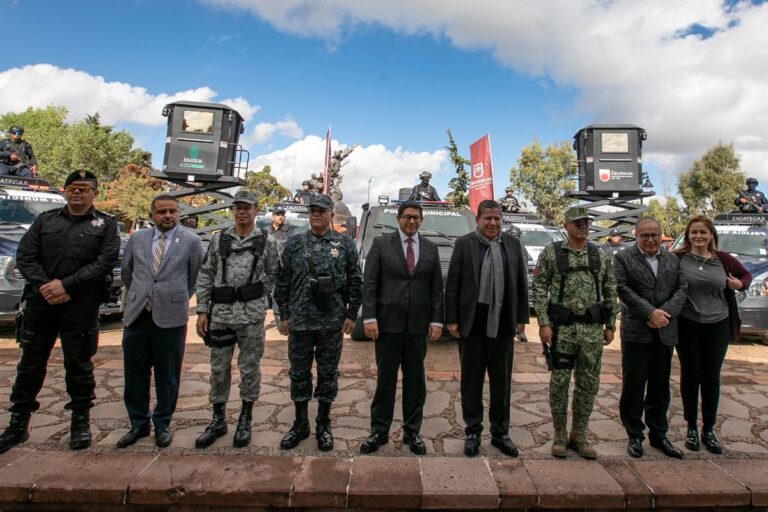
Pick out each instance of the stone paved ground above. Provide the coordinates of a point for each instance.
(743, 425)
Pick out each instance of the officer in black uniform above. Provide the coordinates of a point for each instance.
(16, 156)
(65, 258)
(424, 191)
(751, 200)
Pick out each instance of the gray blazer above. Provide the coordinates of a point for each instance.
(173, 284)
(641, 292)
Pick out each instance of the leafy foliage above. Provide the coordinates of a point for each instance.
(669, 214)
(543, 175)
(460, 184)
(710, 185)
(267, 189)
(130, 195)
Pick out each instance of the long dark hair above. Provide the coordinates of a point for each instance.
(712, 246)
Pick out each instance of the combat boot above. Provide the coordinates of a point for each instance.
(16, 432)
(323, 427)
(80, 430)
(300, 429)
(578, 443)
(243, 431)
(558, 443)
(216, 429)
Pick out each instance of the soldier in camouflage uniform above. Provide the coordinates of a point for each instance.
(231, 311)
(580, 305)
(318, 292)
(509, 203)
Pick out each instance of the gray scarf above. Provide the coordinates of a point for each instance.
(491, 283)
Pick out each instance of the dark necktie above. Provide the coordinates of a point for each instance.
(410, 256)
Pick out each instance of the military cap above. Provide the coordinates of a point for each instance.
(16, 130)
(425, 174)
(321, 201)
(576, 213)
(615, 232)
(278, 210)
(751, 180)
(81, 175)
(245, 196)
(509, 189)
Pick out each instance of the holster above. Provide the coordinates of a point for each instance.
(223, 294)
(558, 360)
(249, 291)
(220, 338)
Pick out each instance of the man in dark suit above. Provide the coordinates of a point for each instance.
(159, 270)
(653, 292)
(486, 303)
(402, 308)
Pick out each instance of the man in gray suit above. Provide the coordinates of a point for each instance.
(159, 269)
(652, 291)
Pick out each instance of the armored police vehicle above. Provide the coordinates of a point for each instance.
(443, 224)
(745, 237)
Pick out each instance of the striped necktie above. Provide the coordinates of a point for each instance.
(157, 257)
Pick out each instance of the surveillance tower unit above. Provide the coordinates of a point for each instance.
(610, 158)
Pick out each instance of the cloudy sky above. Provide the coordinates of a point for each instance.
(394, 75)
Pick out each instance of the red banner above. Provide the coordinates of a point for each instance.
(481, 172)
(327, 163)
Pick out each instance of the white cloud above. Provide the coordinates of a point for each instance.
(391, 168)
(84, 94)
(631, 61)
(262, 132)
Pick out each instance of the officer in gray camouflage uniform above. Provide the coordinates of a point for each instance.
(509, 203)
(231, 311)
(318, 292)
(574, 296)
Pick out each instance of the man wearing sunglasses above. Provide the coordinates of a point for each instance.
(65, 258)
(16, 156)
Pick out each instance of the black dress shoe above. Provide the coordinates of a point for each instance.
(505, 444)
(472, 445)
(668, 448)
(692, 440)
(415, 443)
(711, 442)
(373, 442)
(635, 447)
(132, 436)
(163, 437)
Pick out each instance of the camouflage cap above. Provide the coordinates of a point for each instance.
(425, 174)
(509, 189)
(321, 201)
(279, 210)
(576, 213)
(81, 175)
(245, 196)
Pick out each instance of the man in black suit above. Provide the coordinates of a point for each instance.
(653, 291)
(402, 308)
(486, 303)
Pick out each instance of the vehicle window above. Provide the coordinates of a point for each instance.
(23, 211)
(298, 225)
(447, 222)
(753, 242)
(540, 238)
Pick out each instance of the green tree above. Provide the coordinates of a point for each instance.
(543, 175)
(129, 195)
(713, 180)
(45, 129)
(669, 214)
(267, 189)
(460, 184)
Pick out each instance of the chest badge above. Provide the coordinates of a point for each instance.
(334, 253)
(97, 223)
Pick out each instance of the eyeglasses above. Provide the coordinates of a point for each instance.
(646, 236)
(79, 188)
(408, 218)
(581, 222)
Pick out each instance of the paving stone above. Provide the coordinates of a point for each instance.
(539, 409)
(745, 448)
(191, 386)
(521, 437)
(755, 400)
(690, 483)
(736, 428)
(515, 487)
(350, 433)
(18, 477)
(191, 402)
(520, 418)
(385, 483)
(433, 427)
(348, 396)
(751, 473)
(194, 414)
(269, 439)
(574, 484)
(730, 407)
(363, 423)
(611, 430)
(437, 402)
(637, 495)
(613, 448)
(41, 420)
(453, 446)
(321, 483)
(109, 410)
(764, 434)
(457, 483)
(97, 478)
(42, 435)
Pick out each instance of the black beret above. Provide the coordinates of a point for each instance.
(81, 175)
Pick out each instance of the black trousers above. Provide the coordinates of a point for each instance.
(394, 351)
(76, 323)
(323, 347)
(645, 369)
(701, 351)
(479, 355)
(147, 346)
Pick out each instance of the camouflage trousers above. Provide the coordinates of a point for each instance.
(325, 348)
(587, 342)
(250, 342)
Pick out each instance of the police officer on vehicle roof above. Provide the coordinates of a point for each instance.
(318, 292)
(65, 257)
(237, 275)
(16, 156)
(574, 296)
(424, 191)
(509, 203)
(751, 200)
(306, 192)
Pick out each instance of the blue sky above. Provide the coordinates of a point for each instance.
(393, 76)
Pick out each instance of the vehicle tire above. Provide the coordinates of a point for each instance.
(357, 332)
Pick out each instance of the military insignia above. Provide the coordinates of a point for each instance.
(97, 223)
(81, 172)
(335, 243)
(334, 253)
